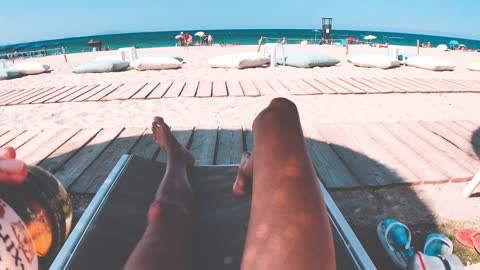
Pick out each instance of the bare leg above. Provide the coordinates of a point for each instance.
(167, 240)
(289, 227)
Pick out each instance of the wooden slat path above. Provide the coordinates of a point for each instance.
(234, 88)
(344, 155)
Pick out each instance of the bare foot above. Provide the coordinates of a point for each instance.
(243, 183)
(165, 139)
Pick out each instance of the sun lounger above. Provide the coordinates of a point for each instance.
(116, 218)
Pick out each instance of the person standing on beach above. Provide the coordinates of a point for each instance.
(209, 40)
(188, 40)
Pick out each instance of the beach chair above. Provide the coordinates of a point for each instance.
(397, 52)
(472, 185)
(116, 218)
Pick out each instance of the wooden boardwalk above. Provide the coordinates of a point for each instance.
(233, 88)
(345, 155)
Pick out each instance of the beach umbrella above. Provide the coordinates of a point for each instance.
(453, 43)
(199, 34)
(94, 43)
(370, 37)
(351, 39)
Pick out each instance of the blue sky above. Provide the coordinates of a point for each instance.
(32, 20)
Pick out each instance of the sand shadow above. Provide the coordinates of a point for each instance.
(363, 206)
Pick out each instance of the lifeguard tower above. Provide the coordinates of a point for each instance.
(326, 30)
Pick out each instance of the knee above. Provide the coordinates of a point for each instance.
(279, 109)
(282, 103)
(161, 208)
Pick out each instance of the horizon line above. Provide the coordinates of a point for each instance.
(113, 32)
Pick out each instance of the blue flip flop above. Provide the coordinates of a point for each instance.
(437, 244)
(395, 238)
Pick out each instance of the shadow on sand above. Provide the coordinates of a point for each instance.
(363, 206)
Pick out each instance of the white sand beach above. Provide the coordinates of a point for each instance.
(235, 111)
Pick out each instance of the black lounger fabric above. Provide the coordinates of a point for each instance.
(220, 222)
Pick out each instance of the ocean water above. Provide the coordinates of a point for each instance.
(244, 37)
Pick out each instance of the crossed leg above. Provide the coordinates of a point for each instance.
(289, 227)
(167, 240)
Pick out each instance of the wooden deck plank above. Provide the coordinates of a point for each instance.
(74, 167)
(126, 92)
(230, 145)
(457, 85)
(364, 87)
(190, 89)
(99, 95)
(348, 86)
(434, 156)
(234, 88)
(437, 85)
(37, 97)
(330, 168)
(95, 174)
(377, 87)
(19, 96)
(203, 145)
(322, 88)
(204, 89)
(450, 132)
(175, 89)
(183, 136)
(264, 88)
(3, 132)
(420, 87)
(219, 88)
(68, 149)
(395, 170)
(388, 82)
(44, 144)
(335, 87)
(472, 128)
(472, 83)
(278, 87)
(146, 90)
(9, 136)
(146, 146)
(292, 87)
(65, 94)
(5, 99)
(417, 164)
(307, 88)
(385, 86)
(51, 95)
(447, 148)
(367, 171)
(160, 90)
(409, 87)
(23, 138)
(29, 96)
(249, 88)
(6, 92)
(83, 93)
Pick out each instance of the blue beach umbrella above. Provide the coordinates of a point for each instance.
(453, 43)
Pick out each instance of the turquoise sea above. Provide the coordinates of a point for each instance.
(166, 38)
